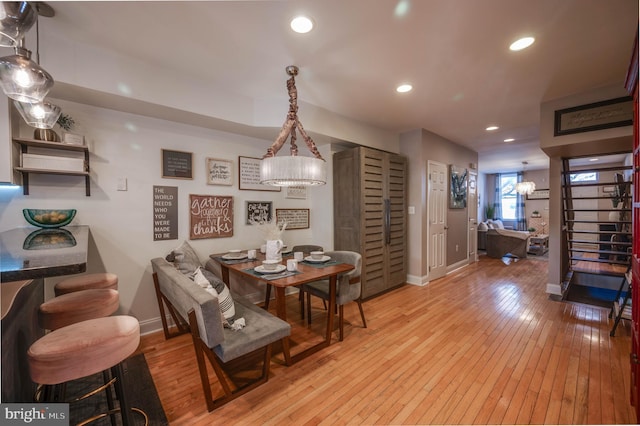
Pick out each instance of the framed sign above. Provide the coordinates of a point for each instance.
(596, 116)
(219, 172)
(297, 192)
(165, 213)
(295, 218)
(249, 175)
(539, 194)
(211, 216)
(259, 212)
(177, 164)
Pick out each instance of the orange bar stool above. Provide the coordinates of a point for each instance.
(78, 306)
(86, 282)
(86, 348)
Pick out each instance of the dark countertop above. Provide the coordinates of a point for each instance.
(30, 252)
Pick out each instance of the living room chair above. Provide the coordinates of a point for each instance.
(349, 287)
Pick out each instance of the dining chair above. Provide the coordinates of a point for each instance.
(349, 287)
(306, 249)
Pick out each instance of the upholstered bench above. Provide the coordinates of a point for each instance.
(183, 299)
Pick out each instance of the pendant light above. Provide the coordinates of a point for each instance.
(41, 115)
(526, 187)
(21, 78)
(292, 170)
(16, 18)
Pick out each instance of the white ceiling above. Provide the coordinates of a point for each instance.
(454, 53)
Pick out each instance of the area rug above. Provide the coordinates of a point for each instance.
(140, 389)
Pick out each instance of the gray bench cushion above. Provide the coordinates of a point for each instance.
(262, 328)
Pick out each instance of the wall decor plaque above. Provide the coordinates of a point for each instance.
(607, 114)
(165, 213)
(219, 172)
(295, 218)
(249, 175)
(539, 194)
(259, 212)
(211, 216)
(177, 164)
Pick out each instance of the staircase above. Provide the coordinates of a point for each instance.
(596, 230)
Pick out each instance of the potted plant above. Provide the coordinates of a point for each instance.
(535, 213)
(65, 121)
(489, 211)
(531, 229)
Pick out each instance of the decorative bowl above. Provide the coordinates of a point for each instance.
(317, 255)
(49, 218)
(270, 265)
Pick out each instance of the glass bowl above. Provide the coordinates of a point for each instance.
(49, 218)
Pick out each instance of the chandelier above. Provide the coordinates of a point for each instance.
(292, 170)
(526, 187)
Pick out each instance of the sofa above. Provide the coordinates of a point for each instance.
(197, 310)
(499, 241)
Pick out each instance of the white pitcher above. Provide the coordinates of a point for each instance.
(273, 249)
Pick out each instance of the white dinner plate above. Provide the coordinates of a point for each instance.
(279, 268)
(312, 260)
(234, 256)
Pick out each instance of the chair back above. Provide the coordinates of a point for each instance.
(307, 248)
(349, 285)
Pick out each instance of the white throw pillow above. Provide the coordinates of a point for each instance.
(199, 278)
(498, 224)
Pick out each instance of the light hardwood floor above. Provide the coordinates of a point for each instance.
(484, 345)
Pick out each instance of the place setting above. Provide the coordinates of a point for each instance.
(274, 269)
(238, 256)
(318, 259)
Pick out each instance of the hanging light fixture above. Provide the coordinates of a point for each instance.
(21, 78)
(526, 187)
(292, 170)
(41, 115)
(16, 18)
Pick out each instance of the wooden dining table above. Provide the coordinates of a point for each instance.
(306, 273)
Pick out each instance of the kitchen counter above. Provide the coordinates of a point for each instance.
(29, 252)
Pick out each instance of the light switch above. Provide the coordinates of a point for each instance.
(412, 210)
(122, 184)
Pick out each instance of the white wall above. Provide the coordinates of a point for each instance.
(129, 146)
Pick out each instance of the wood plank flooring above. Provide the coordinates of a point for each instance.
(484, 345)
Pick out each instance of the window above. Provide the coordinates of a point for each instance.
(508, 195)
(583, 177)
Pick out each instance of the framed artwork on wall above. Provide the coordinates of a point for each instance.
(177, 164)
(539, 194)
(210, 216)
(219, 172)
(295, 218)
(249, 175)
(259, 212)
(458, 188)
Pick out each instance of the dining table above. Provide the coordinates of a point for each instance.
(307, 271)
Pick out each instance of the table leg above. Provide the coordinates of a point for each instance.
(331, 308)
(224, 270)
(281, 312)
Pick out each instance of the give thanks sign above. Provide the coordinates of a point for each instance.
(211, 216)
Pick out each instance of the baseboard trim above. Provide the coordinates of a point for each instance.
(554, 289)
(420, 281)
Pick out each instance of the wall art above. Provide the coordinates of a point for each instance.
(177, 164)
(249, 175)
(458, 191)
(259, 212)
(219, 172)
(211, 216)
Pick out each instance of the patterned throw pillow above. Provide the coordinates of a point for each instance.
(218, 288)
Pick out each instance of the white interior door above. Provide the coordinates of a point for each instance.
(437, 220)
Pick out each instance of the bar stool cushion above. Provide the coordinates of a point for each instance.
(86, 282)
(83, 349)
(78, 306)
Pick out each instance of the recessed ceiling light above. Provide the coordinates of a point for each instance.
(509, 140)
(593, 159)
(404, 88)
(523, 43)
(301, 24)
(492, 128)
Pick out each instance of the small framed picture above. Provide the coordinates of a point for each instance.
(249, 175)
(296, 192)
(259, 212)
(177, 164)
(219, 172)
